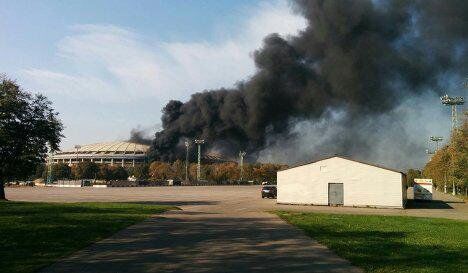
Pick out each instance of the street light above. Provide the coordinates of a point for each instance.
(187, 145)
(77, 147)
(199, 142)
(241, 163)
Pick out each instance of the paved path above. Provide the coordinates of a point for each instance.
(219, 229)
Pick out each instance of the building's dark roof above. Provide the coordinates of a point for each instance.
(347, 158)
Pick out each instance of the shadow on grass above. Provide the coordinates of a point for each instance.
(38, 233)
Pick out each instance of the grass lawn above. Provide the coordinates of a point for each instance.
(33, 235)
(389, 243)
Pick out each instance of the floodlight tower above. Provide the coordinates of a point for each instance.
(187, 146)
(436, 139)
(453, 102)
(77, 147)
(241, 163)
(49, 168)
(199, 142)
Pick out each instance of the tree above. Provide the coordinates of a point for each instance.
(41, 171)
(85, 170)
(160, 170)
(141, 171)
(411, 175)
(450, 164)
(28, 123)
(105, 172)
(60, 171)
(178, 169)
(120, 173)
(267, 172)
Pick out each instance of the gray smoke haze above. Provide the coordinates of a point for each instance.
(344, 85)
(140, 136)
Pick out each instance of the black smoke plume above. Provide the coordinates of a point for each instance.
(360, 59)
(139, 136)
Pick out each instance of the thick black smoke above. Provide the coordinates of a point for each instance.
(361, 59)
(139, 136)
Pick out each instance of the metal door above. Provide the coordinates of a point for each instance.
(335, 194)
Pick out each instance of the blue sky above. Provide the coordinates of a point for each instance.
(110, 66)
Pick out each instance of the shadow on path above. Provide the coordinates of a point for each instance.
(192, 241)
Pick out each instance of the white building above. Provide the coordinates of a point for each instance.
(341, 181)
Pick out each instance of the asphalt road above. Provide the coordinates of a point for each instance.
(219, 229)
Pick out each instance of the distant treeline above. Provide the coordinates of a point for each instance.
(449, 165)
(216, 172)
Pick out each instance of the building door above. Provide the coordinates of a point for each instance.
(335, 194)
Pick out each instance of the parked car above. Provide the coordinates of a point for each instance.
(269, 191)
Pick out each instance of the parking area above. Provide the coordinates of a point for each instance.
(227, 199)
(219, 229)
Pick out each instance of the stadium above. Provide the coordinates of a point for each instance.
(114, 153)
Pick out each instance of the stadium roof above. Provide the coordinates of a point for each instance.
(122, 147)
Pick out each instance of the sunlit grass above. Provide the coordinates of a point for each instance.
(389, 243)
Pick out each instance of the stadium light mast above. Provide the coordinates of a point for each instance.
(436, 139)
(199, 142)
(241, 163)
(453, 102)
(77, 147)
(187, 146)
(49, 168)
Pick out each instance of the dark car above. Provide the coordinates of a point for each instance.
(269, 191)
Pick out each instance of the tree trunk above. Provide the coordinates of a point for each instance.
(2, 191)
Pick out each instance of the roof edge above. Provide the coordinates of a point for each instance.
(347, 158)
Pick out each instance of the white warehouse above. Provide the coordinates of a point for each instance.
(337, 180)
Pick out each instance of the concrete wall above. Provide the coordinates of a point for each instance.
(363, 185)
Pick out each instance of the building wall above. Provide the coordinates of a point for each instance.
(363, 185)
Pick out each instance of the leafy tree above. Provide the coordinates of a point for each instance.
(41, 171)
(120, 173)
(266, 172)
(160, 170)
(28, 123)
(450, 163)
(105, 172)
(178, 169)
(224, 172)
(60, 171)
(140, 171)
(411, 175)
(85, 170)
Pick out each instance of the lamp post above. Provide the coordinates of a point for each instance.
(241, 163)
(77, 147)
(199, 142)
(187, 145)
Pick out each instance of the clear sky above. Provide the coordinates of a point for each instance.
(110, 66)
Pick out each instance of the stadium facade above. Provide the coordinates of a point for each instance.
(121, 153)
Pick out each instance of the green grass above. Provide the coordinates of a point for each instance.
(33, 235)
(389, 243)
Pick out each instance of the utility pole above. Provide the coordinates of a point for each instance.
(199, 142)
(187, 145)
(241, 163)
